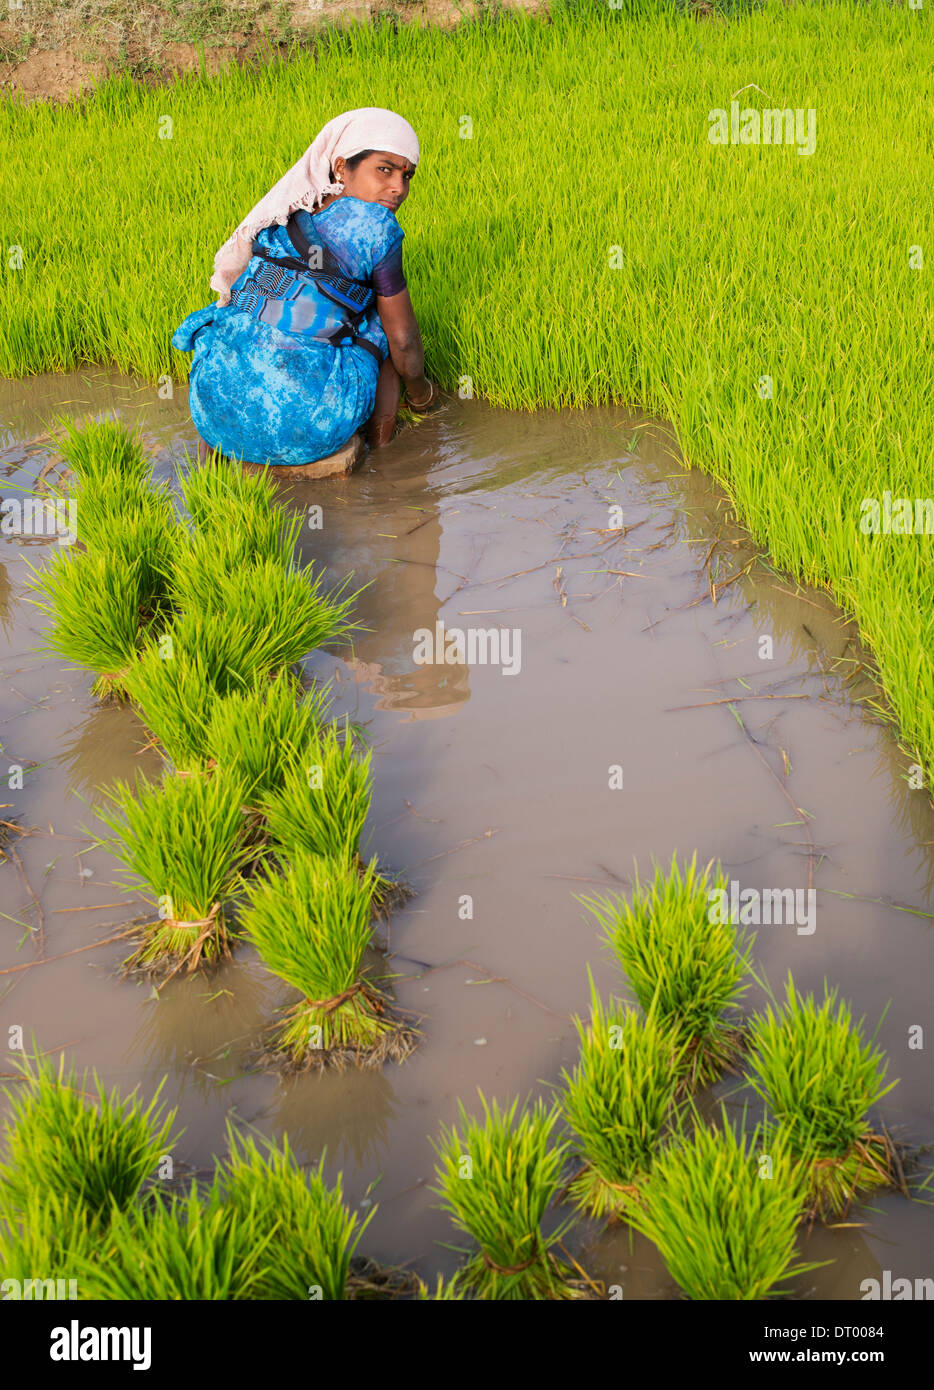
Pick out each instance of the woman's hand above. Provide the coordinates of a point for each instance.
(421, 407)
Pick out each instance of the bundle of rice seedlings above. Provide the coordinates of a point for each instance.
(177, 681)
(105, 511)
(185, 840)
(119, 509)
(219, 490)
(323, 801)
(820, 1078)
(99, 606)
(99, 452)
(175, 685)
(673, 953)
(496, 1180)
(180, 1249)
(237, 516)
(42, 1242)
(259, 731)
(618, 1101)
(321, 805)
(272, 616)
(311, 927)
(93, 1154)
(150, 538)
(315, 1234)
(722, 1208)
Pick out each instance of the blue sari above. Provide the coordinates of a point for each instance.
(267, 396)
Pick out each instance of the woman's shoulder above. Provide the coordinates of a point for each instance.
(369, 226)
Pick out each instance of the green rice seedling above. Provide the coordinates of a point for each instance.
(324, 798)
(311, 927)
(98, 606)
(102, 453)
(443, 1293)
(672, 951)
(820, 1078)
(496, 1180)
(174, 684)
(174, 1249)
(618, 1101)
(322, 803)
(42, 1242)
(185, 840)
(260, 729)
(104, 510)
(316, 1235)
(274, 616)
(236, 517)
(94, 1152)
(723, 1207)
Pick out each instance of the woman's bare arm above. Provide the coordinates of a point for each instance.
(405, 341)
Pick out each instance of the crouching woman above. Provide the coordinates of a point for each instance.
(313, 335)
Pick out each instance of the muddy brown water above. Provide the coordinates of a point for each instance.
(496, 786)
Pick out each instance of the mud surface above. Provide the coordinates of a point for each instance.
(55, 50)
(496, 786)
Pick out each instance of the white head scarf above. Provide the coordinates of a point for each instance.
(308, 181)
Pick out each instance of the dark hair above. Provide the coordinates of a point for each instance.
(356, 159)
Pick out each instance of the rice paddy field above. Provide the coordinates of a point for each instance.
(596, 970)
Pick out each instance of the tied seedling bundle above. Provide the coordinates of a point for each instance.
(618, 1102)
(69, 1163)
(311, 927)
(95, 601)
(237, 516)
(322, 805)
(315, 1235)
(180, 1248)
(261, 731)
(674, 954)
(186, 839)
(243, 634)
(274, 613)
(496, 1180)
(722, 1207)
(107, 599)
(820, 1078)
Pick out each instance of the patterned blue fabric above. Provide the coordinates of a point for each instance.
(270, 396)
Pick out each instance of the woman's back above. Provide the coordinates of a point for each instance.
(363, 241)
(264, 374)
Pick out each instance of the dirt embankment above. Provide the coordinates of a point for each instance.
(54, 49)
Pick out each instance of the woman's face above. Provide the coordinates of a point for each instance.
(380, 178)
